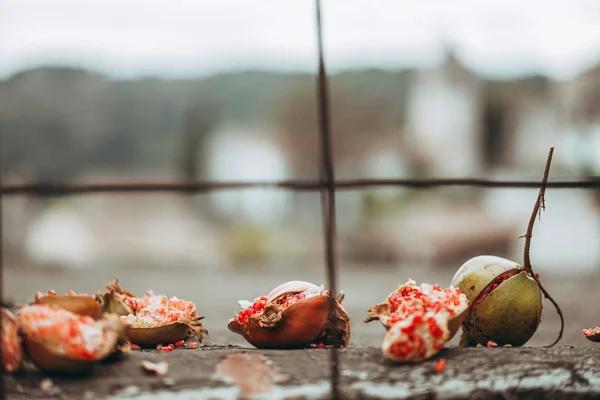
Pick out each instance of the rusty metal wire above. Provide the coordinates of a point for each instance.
(66, 189)
(327, 195)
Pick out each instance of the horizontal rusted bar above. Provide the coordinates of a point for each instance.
(58, 189)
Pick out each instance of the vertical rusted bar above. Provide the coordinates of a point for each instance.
(328, 193)
(2, 387)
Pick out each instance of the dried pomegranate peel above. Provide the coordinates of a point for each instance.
(419, 320)
(12, 346)
(293, 315)
(116, 300)
(78, 303)
(152, 319)
(58, 340)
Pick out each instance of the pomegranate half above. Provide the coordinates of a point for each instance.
(295, 314)
(419, 320)
(152, 319)
(58, 340)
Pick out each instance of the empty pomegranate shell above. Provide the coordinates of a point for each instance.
(12, 346)
(419, 320)
(58, 340)
(293, 315)
(81, 304)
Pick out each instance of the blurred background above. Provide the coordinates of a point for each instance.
(138, 91)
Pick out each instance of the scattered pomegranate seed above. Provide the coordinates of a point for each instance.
(71, 293)
(135, 347)
(192, 345)
(321, 346)
(159, 346)
(179, 343)
(492, 344)
(440, 365)
(52, 292)
(167, 349)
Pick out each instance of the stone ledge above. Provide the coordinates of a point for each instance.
(476, 373)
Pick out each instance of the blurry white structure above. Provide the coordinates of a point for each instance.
(248, 155)
(443, 118)
(60, 237)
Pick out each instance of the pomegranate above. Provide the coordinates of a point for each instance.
(505, 297)
(293, 315)
(505, 301)
(82, 304)
(12, 347)
(419, 320)
(152, 319)
(58, 340)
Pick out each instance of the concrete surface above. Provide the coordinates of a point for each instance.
(498, 373)
(501, 373)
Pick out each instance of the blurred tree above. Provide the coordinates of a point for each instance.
(200, 119)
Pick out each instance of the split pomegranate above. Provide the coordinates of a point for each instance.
(152, 319)
(506, 297)
(419, 320)
(158, 310)
(505, 301)
(12, 347)
(294, 314)
(69, 334)
(59, 340)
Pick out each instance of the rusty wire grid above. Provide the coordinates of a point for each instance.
(327, 185)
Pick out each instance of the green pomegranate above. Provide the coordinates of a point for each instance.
(505, 301)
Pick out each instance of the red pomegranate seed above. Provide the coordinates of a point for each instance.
(492, 344)
(179, 343)
(51, 292)
(159, 346)
(192, 345)
(440, 365)
(321, 346)
(135, 347)
(167, 349)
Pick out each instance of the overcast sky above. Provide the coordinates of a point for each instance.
(196, 37)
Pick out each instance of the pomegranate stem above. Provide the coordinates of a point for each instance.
(539, 206)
